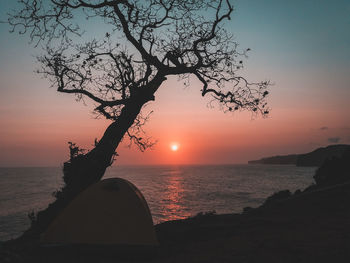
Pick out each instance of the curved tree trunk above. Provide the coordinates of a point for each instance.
(86, 169)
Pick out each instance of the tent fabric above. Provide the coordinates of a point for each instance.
(110, 212)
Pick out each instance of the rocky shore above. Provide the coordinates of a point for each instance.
(307, 226)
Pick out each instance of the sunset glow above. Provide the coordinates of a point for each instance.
(174, 147)
(309, 96)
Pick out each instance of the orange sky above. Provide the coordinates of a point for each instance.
(39, 133)
(309, 98)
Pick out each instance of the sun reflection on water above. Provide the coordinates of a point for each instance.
(173, 201)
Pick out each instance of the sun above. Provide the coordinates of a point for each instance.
(174, 147)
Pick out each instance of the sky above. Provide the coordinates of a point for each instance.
(301, 46)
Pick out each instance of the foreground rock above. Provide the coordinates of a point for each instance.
(313, 226)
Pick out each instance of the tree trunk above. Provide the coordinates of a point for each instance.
(90, 168)
(86, 169)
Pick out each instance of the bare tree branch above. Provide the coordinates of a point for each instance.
(164, 37)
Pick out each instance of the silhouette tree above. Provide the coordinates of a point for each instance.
(144, 43)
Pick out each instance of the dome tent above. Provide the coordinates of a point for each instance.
(110, 212)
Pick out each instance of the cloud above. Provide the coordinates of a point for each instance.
(324, 128)
(333, 139)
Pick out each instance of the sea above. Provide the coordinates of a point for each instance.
(172, 191)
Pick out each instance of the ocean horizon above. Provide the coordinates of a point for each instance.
(172, 191)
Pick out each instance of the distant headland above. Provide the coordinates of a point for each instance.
(314, 158)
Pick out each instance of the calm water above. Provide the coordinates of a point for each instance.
(172, 192)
